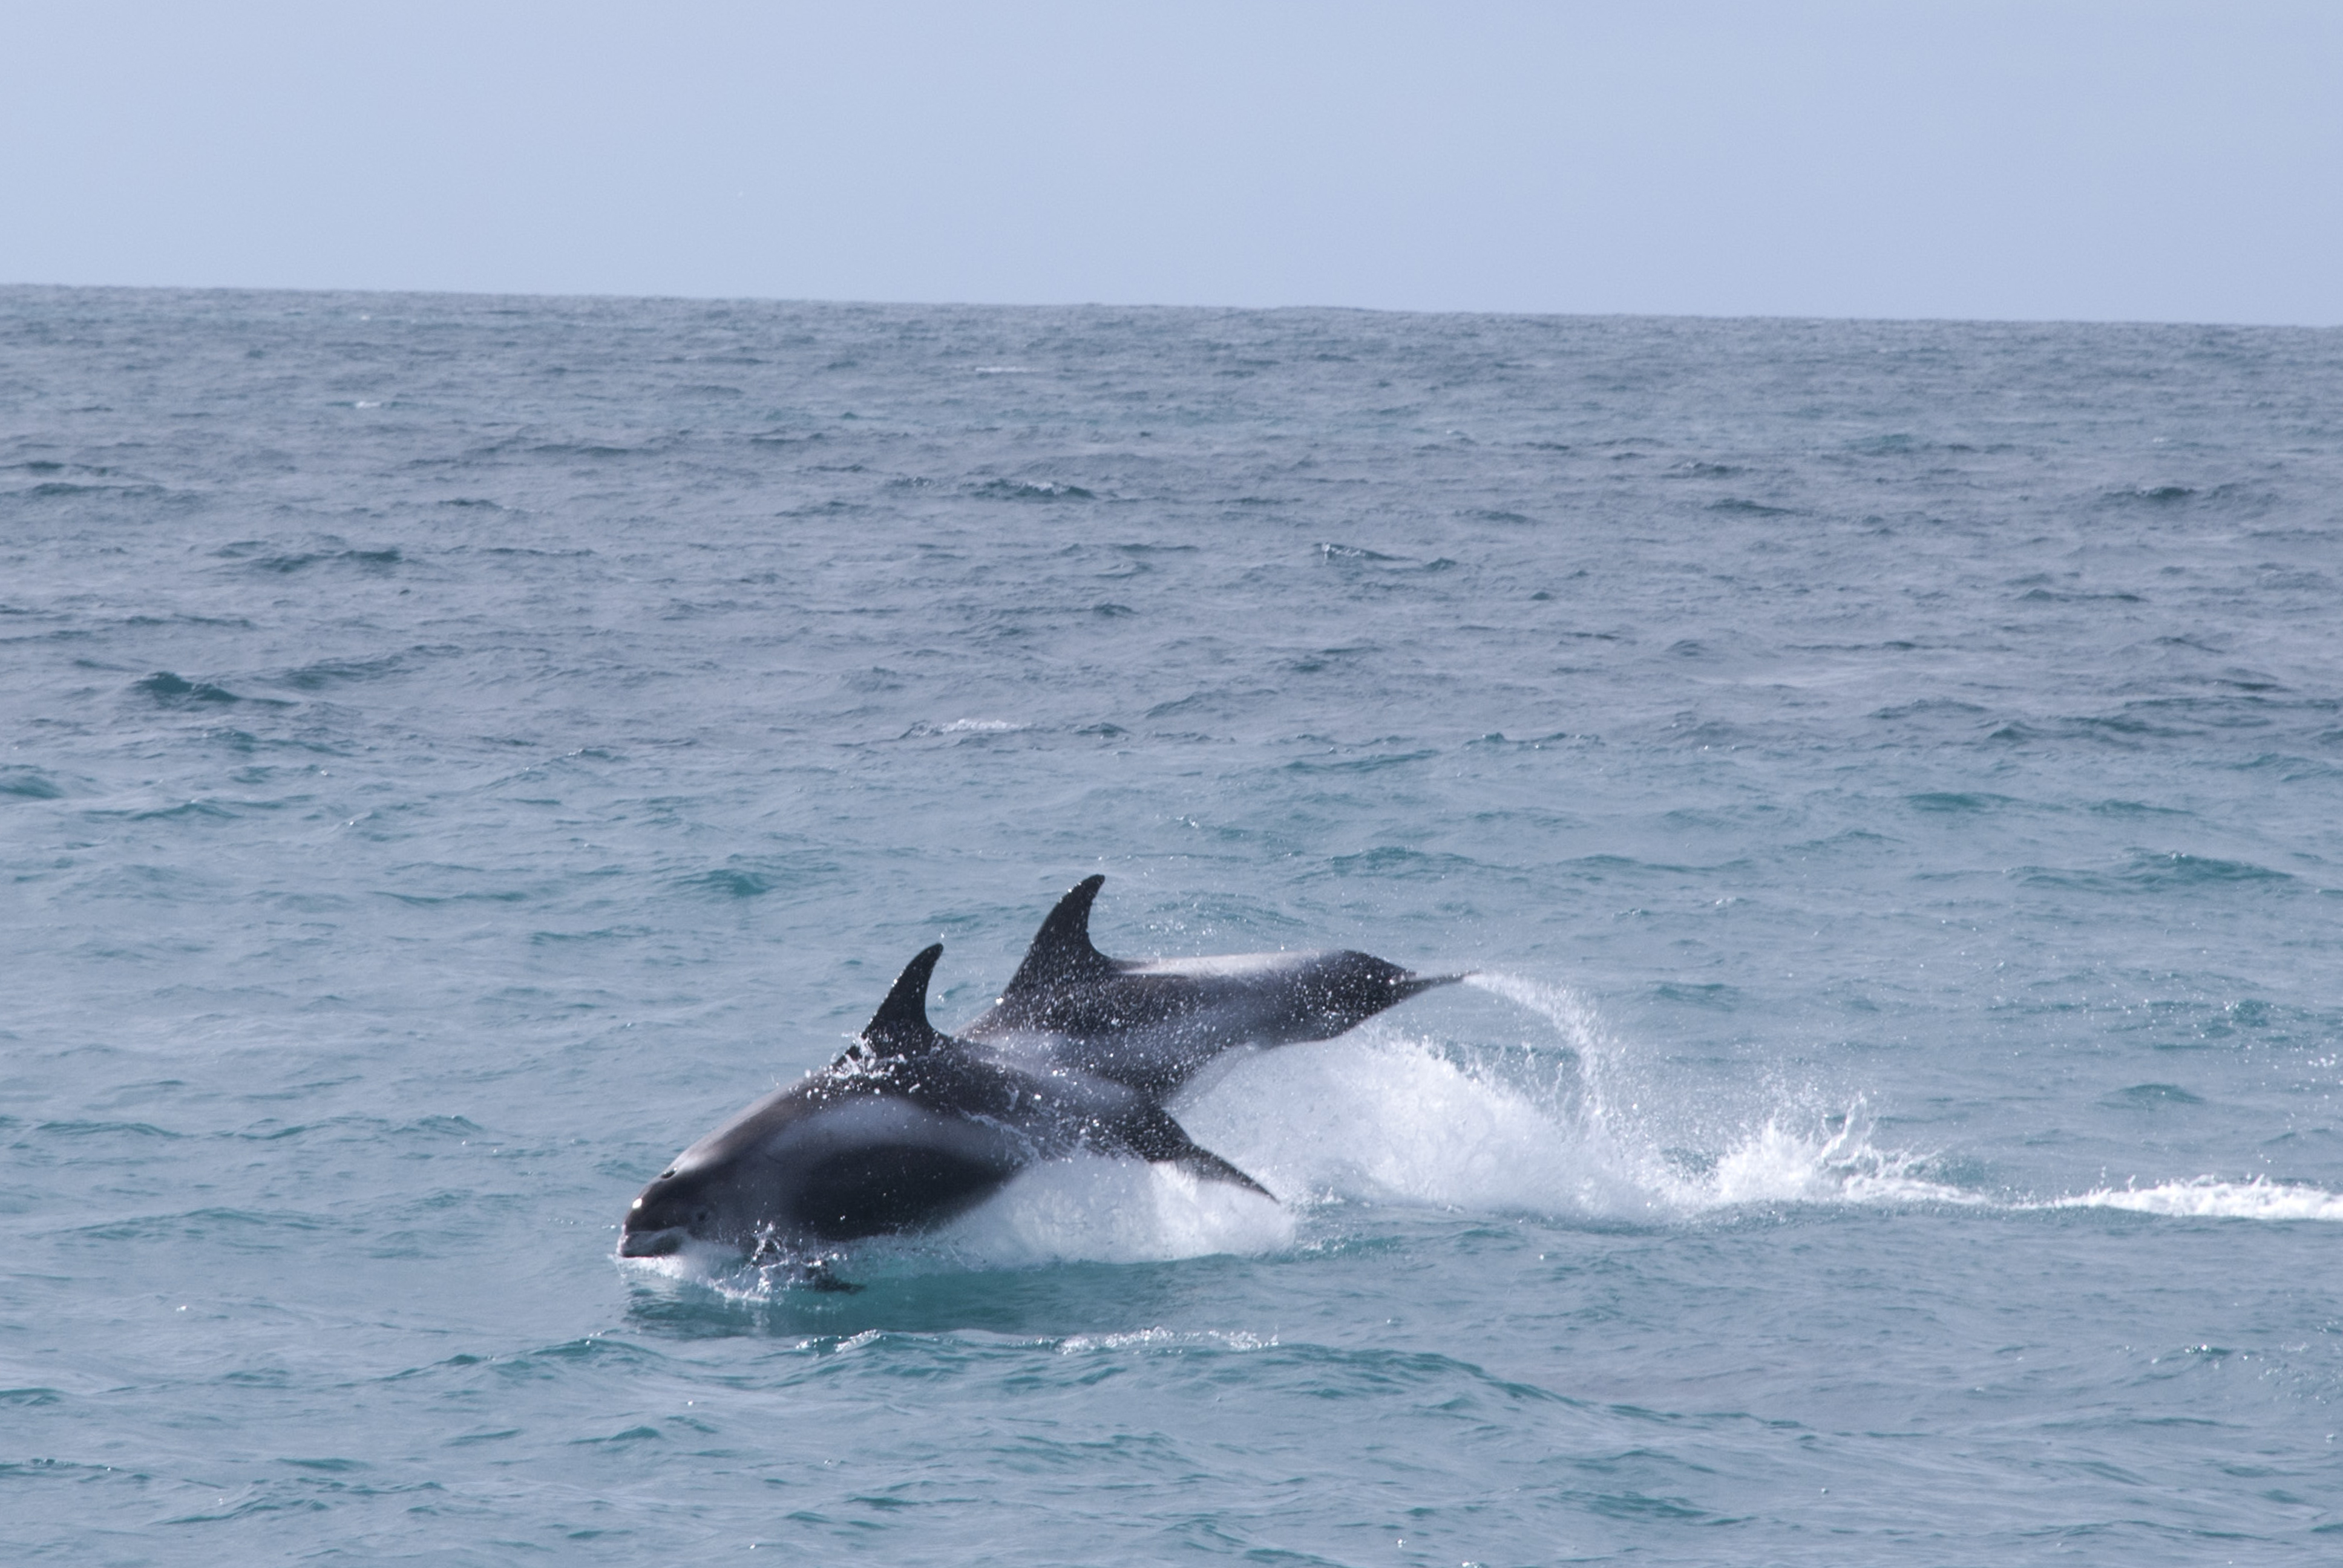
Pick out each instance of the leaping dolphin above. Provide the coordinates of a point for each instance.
(1152, 1023)
(912, 1127)
(906, 1130)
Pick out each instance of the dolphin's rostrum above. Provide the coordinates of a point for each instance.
(912, 1127)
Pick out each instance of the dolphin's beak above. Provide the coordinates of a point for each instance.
(1407, 986)
(651, 1244)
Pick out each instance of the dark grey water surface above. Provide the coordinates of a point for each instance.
(459, 749)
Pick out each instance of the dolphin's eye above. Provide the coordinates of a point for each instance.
(666, 1173)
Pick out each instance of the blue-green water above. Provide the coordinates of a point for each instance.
(1889, 776)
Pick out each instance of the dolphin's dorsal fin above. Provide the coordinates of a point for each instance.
(901, 1026)
(1061, 950)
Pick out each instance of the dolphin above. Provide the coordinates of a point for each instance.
(906, 1130)
(1153, 1023)
(912, 1127)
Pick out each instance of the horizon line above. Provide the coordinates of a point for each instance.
(808, 300)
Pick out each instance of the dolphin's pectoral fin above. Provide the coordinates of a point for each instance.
(1206, 1166)
(1061, 952)
(901, 1026)
(1150, 1132)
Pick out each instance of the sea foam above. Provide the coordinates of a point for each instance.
(2209, 1197)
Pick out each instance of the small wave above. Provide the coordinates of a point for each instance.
(106, 1128)
(2048, 595)
(559, 449)
(248, 553)
(753, 876)
(1033, 490)
(2183, 871)
(965, 727)
(2210, 1198)
(2150, 1096)
(54, 488)
(731, 883)
(328, 672)
(164, 686)
(1958, 800)
(1371, 763)
(1390, 861)
(1157, 1339)
(1926, 707)
(29, 784)
(1715, 996)
(2232, 497)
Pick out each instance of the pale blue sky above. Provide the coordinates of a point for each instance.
(2057, 159)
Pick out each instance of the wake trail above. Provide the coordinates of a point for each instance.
(2211, 1198)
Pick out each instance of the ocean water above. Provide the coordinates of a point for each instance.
(1886, 778)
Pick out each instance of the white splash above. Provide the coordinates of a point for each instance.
(1161, 1338)
(1383, 1116)
(1566, 1008)
(1777, 1165)
(2209, 1197)
(1114, 1211)
(699, 1262)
